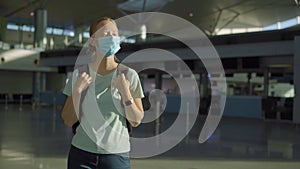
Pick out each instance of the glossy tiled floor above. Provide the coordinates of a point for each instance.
(36, 139)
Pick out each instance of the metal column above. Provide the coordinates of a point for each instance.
(158, 80)
(43, 82)
(40, 41)
(79, 35)
(21, 41)
(204, 85)
(266, 82)
(158, 85)
(36, 88)
(296, 109)
(40, 38)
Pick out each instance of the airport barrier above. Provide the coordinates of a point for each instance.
(21, 97)
(3, 97)
(15, 98)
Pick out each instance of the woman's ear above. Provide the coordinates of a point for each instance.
(92, 42)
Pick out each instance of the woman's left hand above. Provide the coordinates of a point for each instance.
(121, 83)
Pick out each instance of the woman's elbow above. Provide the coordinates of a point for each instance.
(135, 123)
(138, 121)
(67, 122)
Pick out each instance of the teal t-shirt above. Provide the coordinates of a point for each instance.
(103, 126)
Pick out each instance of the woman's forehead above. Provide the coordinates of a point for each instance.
(107, 26)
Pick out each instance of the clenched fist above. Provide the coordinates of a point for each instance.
(121, 83)
(83, 82)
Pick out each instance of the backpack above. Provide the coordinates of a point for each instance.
(84, 68)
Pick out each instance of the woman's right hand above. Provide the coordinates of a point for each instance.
(82, 82)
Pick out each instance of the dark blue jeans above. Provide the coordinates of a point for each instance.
(79, 159)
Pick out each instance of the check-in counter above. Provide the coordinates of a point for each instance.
(243, 106)
(174, 104)
(236, 106)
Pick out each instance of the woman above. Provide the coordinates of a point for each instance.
(108, 147)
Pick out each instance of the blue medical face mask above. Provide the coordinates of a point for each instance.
(109, 45)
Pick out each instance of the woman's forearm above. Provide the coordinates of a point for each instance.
(133, 113)
(68, 112)
(76, 100)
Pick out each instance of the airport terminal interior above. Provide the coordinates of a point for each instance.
(242, 110)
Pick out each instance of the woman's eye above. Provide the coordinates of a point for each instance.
(110, 33)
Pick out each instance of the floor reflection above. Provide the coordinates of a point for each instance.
(39, 139)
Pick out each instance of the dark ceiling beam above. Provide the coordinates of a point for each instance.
(236, 4)
(25, 6)
(217, 21)
(231, 20)
(226, 8)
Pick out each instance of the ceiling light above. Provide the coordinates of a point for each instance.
(143, 32)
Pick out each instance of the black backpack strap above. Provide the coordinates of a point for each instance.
(81, 69)
(124, 69)
(74, 126)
